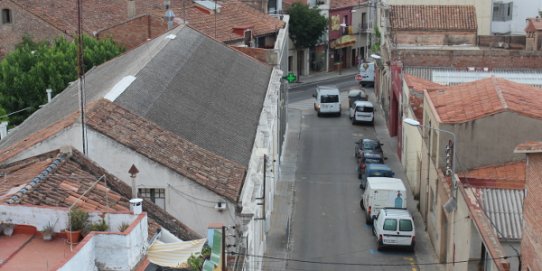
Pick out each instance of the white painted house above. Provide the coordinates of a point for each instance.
(194, 116)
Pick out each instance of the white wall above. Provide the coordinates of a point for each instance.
(266, 143)
(521, 10)
(412, 145)
(186, 200)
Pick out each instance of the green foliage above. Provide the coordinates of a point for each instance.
(33, 67)
(78, 219)
(306, 25)
(376, 45)
(195, 261)
(123, 226)
(100, 226)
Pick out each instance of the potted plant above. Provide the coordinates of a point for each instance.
(123, 226)
(100, 226)
(7, 227)
(48, 231)
(77, 221)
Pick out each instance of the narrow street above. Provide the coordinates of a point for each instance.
(328, 226)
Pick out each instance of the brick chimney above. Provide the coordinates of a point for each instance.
(131, 9)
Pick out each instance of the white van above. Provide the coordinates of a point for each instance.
(366, 74)
(362, 111)
(382, 192)
(327, 100)
(394, 227)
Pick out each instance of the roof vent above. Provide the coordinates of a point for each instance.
(136, 206)
(471, 69)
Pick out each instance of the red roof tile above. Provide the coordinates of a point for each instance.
(210, 170)
(477, 99)
(529, 147)
(98, 15)
(433, 17)
(533, 24)
(336, 4)
(417, 87)
(510, 175)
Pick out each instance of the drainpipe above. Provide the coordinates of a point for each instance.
(3, 129)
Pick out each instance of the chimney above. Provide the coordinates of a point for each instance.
(49, 94)
(131, 9)
(3, 129)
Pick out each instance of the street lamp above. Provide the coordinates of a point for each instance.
(451, 204)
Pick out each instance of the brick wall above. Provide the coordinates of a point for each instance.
(434, 38)
(136, 31)
(491, 58)
(23, 23)
(531, 244)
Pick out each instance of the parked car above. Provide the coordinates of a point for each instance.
(382, 192)
(362, 111)
(366, 74)
(367, 144)
(394, 227)
(369, 157)
(327, 100)
(356, 95)
(374, 170)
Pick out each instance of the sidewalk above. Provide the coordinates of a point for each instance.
(278, 235)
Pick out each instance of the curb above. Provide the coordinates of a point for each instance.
(316, 81)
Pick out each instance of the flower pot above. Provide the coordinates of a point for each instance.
(47, 236)
(73, 236)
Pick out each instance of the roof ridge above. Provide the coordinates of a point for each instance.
(499, 91)
(44, 174)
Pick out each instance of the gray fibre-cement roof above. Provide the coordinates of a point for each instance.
(192, 85)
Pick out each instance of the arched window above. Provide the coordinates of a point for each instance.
(6, 16)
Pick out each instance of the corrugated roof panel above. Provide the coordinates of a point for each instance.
(449, 76)
(504, 208)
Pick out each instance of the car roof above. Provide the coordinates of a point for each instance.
(363, 103)
(386, 183)
(372, 154)
(396, 212)
(378, 167)
(369, 139)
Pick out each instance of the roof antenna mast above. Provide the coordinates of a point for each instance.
(81, 73)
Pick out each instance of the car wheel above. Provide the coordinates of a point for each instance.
(361, 204)
(411, 247)
(360, 186)
(359, 175)
(372, 122)
(319, 114)
(339, 114)
(354, 121)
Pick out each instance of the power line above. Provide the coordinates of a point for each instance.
(358, 264)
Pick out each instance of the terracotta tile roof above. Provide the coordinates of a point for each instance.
(510, 175)
(233, 14)
(529, 147)
(433, 17)
(37, 137)
(212, 171)
(417, 87)
(336, 4)
(287, 3)
(98, 15)
(533, 24)
(477, 99)
(58, 179)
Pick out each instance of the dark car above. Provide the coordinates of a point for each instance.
(367, 144)
(369, 157)
(375, 170)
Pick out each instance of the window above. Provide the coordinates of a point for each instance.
(156, 195)
(405, 225)
(6, 16)
(330, 99)
(390, 224)
(364, 24)
(502, 11)
(364, 109)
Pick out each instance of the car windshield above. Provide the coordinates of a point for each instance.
(373, 161)
(364, 109)
(371, 145)
(405, 225)
(329, 99)
(380, 173)
(390, 224)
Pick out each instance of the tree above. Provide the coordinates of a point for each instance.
(306, 25)
(33, 67)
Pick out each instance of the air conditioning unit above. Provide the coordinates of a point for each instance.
(220, 206)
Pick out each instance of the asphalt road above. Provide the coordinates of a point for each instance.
(328, 226)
